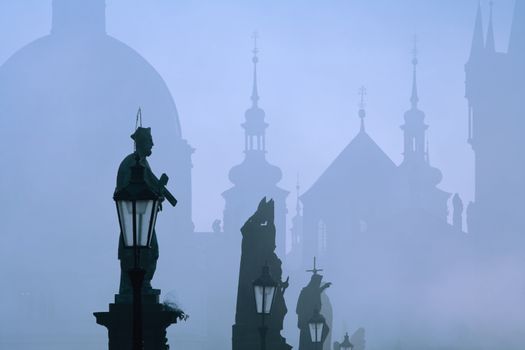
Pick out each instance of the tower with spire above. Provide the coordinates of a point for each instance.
(255, 177)
(495, 90)
(414, 128)
(418, 178)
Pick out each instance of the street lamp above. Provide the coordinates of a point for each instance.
(264, 289)
(137, 208)
(346, 345)
(316, 325)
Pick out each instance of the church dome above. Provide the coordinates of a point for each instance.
(68, 103)
(255, 165)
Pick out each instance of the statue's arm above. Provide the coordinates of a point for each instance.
(161, 185)
(325, 286)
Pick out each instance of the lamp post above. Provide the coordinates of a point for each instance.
(137, 208)
(346, 345)
(264, 289)
(316, 325)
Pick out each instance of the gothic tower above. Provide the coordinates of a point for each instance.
(255, 178)
(495, 90)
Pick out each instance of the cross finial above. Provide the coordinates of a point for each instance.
(315, 270)
(362, 94)
(414, 99)
(415, 50)
(255, 60)
(362, 112)
(255, 36)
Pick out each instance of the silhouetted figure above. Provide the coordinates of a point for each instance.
(258, 249)
(309, 301)
(148, 260)
(84, 86)
(156, 317)
(216, 226)
(457, 215)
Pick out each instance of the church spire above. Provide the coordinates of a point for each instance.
(517, 34)
(491, 42)
(362, 111)
(254, 125)
(298, 205)
(255, 60)
(414, 128)
(477, 40)
(414, 99)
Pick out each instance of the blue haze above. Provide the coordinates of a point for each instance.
(313, 58)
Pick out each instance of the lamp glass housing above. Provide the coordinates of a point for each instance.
(316, 331)
(264, 289)
(137, 220)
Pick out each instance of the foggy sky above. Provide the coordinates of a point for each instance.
(313, 58)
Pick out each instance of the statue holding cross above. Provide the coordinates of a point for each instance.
(309, 301)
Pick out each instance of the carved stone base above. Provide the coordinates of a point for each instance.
(119, 322)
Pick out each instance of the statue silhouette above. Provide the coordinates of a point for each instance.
(258, 249)
(310, 301)
(148, 259)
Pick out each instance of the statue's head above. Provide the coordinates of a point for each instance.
(143, 141)
(316, 279)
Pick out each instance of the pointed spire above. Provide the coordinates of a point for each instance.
(491, 41)
(414, 99)
(477, 40)
(298, 205)
(255, 60)
(517, 34)
(362, 112)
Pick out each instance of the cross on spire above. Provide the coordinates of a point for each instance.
(315, 270)
(362, 105)
(414, 99)
(255, 36)
(255, 60)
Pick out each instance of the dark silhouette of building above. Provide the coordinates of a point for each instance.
(65, 99)
(367, 219)
(495, 90)
(156, 317)
(258, 250)
(255, 178)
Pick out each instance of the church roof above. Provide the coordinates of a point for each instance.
(358, 169)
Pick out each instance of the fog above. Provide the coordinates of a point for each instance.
(363, 179)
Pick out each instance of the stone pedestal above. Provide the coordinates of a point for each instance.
(156, 318)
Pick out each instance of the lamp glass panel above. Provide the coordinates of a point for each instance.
(144, 211)
(259, 292)
(125, 214)
(269, 292)
(316, 330)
